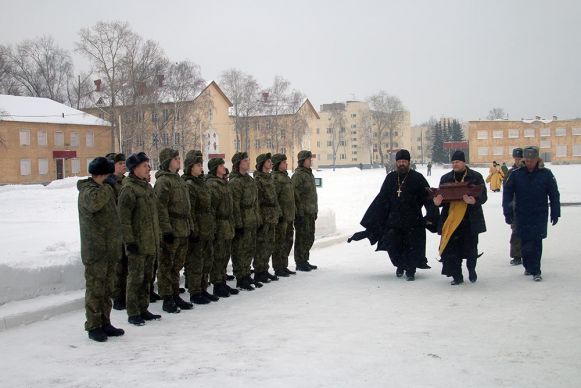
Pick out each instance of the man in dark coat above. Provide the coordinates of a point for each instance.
(515, 245)
(395, 217)
(461, 222)
(530, 186)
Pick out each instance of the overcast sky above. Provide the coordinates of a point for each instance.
(442, 58)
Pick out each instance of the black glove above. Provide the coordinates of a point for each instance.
(554, 220)
(299, 220)
(111, 180)
(194, 237)
(132, 248)
(280, 219)
(508, 220)
(239, 231)
(168, 238)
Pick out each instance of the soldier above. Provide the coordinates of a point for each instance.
(100, 247)
(200, 251)
(140, 227)
(306, 210)
(221, 201)
(429, 173)
(284, 230)
(175, 222)
(246, 220)
(269, 213)
(515, 244)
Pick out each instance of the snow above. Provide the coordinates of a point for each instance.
(350, 323)
(43, 110)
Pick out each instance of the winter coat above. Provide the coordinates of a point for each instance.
(245, 199)
(201, 206)
(495, 177)
(138, 215)
(530, 190)
(222, 207)
(305, 192)
(267, 198)
(99, 222)
(173, 204)
(285, 194)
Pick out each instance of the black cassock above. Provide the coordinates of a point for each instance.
(394, 220)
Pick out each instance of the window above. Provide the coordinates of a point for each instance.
(353, 152)
(498, 151)
(42, 137)
(354, 146)
(165, 114)
(329, 130)
(25, 137)
(576, 131)
(257, 144)
(75, 166)
(353, 139)
(353, 159)
(561, 150)
(419, 138)
(513, 133)
(482, 151)
(482, 135)
(177, 138)
(498, 134)
(318, 130)
(269, 144)
(546, 143)
(353, 125)
(353, 115)
(342, 156)
(342, 143)
(354, 132)
(561, 132)
(236, 144)
(154, 116)
(329, 143)
(576, 149)
(529, 132)
(89, 160)
(59, 139)
(75, 139)
(25, 167)
(329, 156)
(42, 166)
(318, 144)
(545, 132)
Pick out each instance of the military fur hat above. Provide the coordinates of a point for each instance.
(115, 157)
(214, 163)
(276, 159)
(192, 157)
(260, 159)
(238, 157)
(403, 155)
(517, 153)
(165, 157)
(531, 152)
(101, 166)
(135, 160)
(304, 154)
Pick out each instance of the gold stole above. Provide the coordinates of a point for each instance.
(455, 215)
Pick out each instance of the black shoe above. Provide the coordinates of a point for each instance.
(182, 304)
(230, 277)
(457, 281)
(260, 277)
(231, 290)
(199, 299)
(424, 266)
(527, 273)
(281, 273)
(399, 272)
(516, 261)
(472, 276)
(221, 290)
(290, 272)
(98, 335)
(136, 320)
(119, 304)
(153, 297)
(212, 298)
(272, 277)
(537, 278)
(182, 290)
(170, 306)
(410, 277)
(244, 284)
(255, 283)
(149, 316)
(112, 331)
(312, 265)
(304, 267)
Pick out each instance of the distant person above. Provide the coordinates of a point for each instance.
(413, 165)
(515, 243)
(429, 173)
(495, 177)
(530, 187)
(504, 170)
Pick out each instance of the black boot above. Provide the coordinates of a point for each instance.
(231, 290)
(182, 304)
(211, 298)
(98, 335)
(245, 284)
(119, 304)
(261, 277)
(516, 261)
(304, 267)
(199, 298)
(290, 272)
(254, 282)
(153, 297)
(230, 277)
(410, 277)
(169, 305)
(312, 265)
(220, 290)
(472, 276)
(136, 320)
(457, 280)
(182, 290)
(281, 273)
(272, 277)
(112, 331)
(149, 316)
(399, 272)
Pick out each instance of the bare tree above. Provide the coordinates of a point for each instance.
(7, 83)
(497, 114)
(79, 91)
(386, 113)
(366, 132)
(336, 129)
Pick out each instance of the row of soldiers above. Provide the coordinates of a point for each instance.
(133, 233)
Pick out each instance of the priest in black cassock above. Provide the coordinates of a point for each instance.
(394, 220)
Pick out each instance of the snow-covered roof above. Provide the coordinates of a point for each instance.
(43, 110)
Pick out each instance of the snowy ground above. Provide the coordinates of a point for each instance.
(351, 323)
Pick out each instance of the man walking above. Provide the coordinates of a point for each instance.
(515, 244)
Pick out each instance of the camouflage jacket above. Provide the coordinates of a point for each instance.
(138, 215)
(221, 201)
(267, 198)
(118, 186)
(201, 206)
(99, 222)
(173, 204)
(285, 194)
(305, 192)
(245, 197)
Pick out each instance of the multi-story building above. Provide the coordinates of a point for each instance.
(421, 140)
(42, 140)
(493, 140)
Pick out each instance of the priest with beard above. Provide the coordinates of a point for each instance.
(394, 220)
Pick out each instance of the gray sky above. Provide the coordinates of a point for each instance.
(451, 58)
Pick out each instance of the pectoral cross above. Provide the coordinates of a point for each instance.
(398, 192)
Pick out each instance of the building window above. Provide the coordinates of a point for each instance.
(545, 132)
(529, 132)
(318, 130)
(354, 146)
(329, 143)
(513, 133)
(342, 156)
(482, 135)
(353, 159)
(42, 137)
(354, 132)
(154, 116)
(318, 144)
(329, 130)
(329, 156)
(546, 143)
(561, 132)
(576, 131)
(257, 144)
(498, 134)
(353, 115)
(75, 166)
(165, 114)
(353, 152)
(342, 143)
(576, 149)
(353, 139)
(269, 144)
(42, 166)
(353, 125)
(59, 139)
(561, 150)
(482, 151)
(25, 167)
(25, 137)
(75, 139)
(236, 144)
(498, 151)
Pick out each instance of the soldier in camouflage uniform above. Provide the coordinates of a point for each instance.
(100, 247)
(284, 231)
(269, 213)
(306, 210)
(200, 252)
(140, 227)
(221, 201)
(176, 224)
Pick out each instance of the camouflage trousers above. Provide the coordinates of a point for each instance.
(515, 243)
(199, 265)
(264, 247)
(99, 284)
(304, 238)
(120, 281)
(139, 274)
(243, 250)
(171, 261)
(283, 242)
(222, 249)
